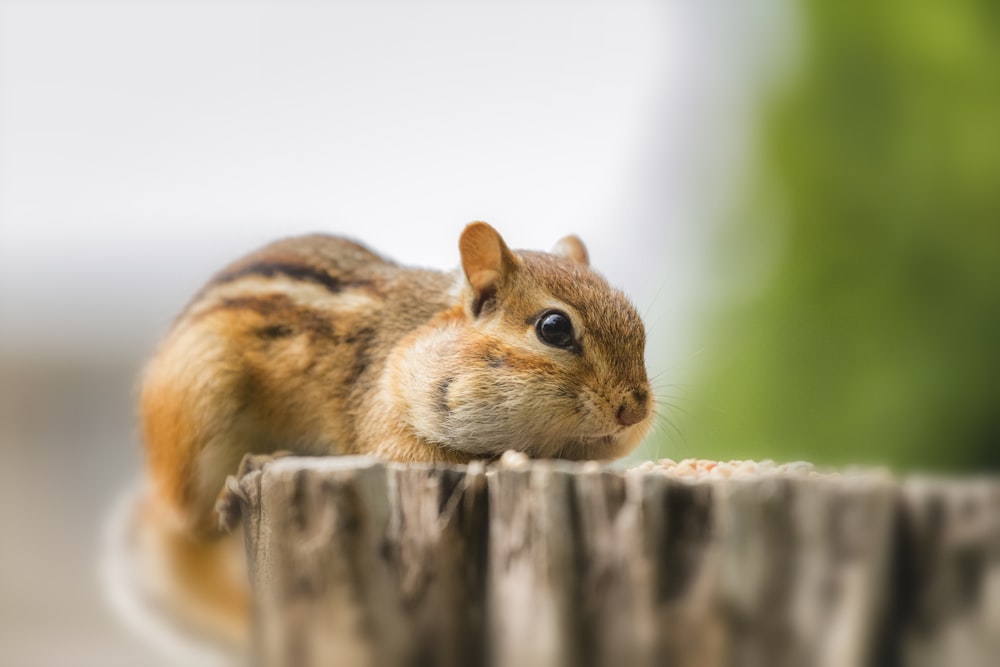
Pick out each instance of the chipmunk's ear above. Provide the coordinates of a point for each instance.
(486, 260)
(572, 248)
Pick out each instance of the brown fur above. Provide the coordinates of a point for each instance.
(318, 346)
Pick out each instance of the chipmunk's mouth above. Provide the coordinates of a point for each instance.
(608, 436)
(615, 442)
(604, 439)
(591, 447)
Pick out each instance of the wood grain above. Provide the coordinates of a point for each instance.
(353, 561)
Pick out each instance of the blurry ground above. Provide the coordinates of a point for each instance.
(66, 433)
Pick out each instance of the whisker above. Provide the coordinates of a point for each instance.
(649, 307)
(672, 406)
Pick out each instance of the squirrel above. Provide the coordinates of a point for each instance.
(315, 345)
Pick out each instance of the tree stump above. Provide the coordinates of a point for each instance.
(358, 562)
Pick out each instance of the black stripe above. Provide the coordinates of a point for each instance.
(289, 318)
(442, 395)
(287, 269)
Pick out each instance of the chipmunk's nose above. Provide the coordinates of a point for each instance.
(634, 408)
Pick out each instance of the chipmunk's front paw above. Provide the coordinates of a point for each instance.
(228, 503)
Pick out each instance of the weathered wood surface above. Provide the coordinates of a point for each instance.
(356, 562)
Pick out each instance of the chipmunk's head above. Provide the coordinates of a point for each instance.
(550, 360)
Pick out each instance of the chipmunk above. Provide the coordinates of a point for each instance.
(317, 346)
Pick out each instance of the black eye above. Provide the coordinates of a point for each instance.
(555, 329)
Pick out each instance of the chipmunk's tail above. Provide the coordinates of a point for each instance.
(187, 599)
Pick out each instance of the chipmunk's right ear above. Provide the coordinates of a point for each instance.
(486, 260)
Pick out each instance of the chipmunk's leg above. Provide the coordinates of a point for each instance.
(196, 430)
(198, 419)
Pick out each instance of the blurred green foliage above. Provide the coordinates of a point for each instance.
(862, 317)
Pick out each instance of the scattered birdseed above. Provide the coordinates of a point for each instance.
(708, 469)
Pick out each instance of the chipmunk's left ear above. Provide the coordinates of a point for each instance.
(572, 248)
(487, 262)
